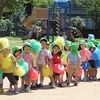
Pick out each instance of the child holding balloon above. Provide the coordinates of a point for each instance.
(73, 61)
(65, 52)
(50, 64)
(28, 57)
(85, 56)
(94, 61)
(57, 63)
(35, 49)
(16, 51)
(42, 59)
(1, 73)
(1, 82)
(8, 63)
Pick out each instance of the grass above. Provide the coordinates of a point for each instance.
(14, 38)
(16, 41)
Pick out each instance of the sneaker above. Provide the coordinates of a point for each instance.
(75, 84)
(68, 84)
(50, 84)
(94, 78)
(21, 88)
(40, 85)
(16, 91)
(53, 85)
(33, 87)
(37, 85)
(79, 80)
(1, 90)
(11, 90)
(25, 86)
(89, 78)
(28, 89)
(85, 79)
(56, 83)
(60, 85)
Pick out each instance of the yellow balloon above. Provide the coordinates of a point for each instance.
(60, 41)
(46, 71)
(4, 42)
(19, 71)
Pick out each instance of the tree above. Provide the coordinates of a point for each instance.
(93, 9)
(3, 4)
(43, 3)
(11, 5)
(77, 22)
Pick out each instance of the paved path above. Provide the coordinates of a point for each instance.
(84, 91)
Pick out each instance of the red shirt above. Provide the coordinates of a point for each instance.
(56, 59)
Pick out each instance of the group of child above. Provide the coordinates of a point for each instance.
(72, 56)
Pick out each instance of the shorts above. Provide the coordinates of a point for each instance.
(16, 78)
(40, 69)
(1, 80)
(56, 74)
(92, 63)
(26, 76)
(33, 36)
(73, 68)
(10, 77)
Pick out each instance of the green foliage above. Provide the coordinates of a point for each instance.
(43, 3)
(77, 22)
(11, 5)
(92, 7)
(5, 23)
(12, 20)
(18, 15)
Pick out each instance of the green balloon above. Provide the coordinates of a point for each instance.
(35, 45)
(1, 73)
(24, 65)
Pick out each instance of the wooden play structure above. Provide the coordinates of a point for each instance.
(37, 14)
(55, 19)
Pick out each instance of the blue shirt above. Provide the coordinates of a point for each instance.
(73, 58)
(96, 56)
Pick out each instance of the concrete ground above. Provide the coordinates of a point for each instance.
(84, 91)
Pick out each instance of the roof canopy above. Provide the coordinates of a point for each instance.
(61, 0)
(62, 3)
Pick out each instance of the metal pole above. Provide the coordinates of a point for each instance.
(48, 25)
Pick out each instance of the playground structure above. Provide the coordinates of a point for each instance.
(58, 18)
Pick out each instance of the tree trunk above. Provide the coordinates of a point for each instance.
(3, 3)
(1, 8)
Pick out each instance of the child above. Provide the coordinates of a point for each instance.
(57, 60)
(85, 56)
(17, 54)
(50, 64)
(42, 59)
(35, 49)
(65, 54)
(34, 85)
(28, 57)
(8, 68)
(73, 61)
(1, 82)
(94, 62)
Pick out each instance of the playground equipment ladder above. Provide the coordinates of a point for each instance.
(58, 5)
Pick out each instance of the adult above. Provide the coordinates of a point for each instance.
(34, 33)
